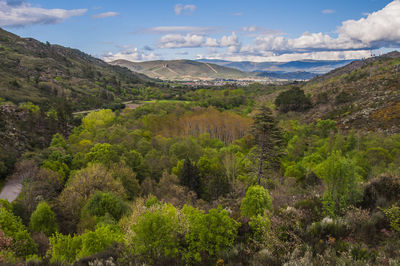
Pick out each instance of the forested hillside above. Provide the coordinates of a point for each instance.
(42, 73)
(177, 183)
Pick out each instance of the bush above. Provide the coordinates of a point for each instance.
(256, 201)
(327, 228)
(341, 181)
(343, 97)
(43, 220)
(13, 228)
(64, 248)
(393, 215)
(67, 249)
(382, 191)
(209, 233)
(293, 100)
(102, 203)
(156, 234)
(260, 226)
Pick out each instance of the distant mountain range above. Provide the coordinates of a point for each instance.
(313, 66)
(183, 70)
(206, 69)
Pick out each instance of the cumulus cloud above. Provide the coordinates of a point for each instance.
(14, 13)
(270, 56)
(178, 29)
(134, 55)
(328, 11)
(196, 40)
(187, 9)
(377, 30)
(181, 41)
(105, 15)
(231, 40)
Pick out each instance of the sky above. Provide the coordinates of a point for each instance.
(246, 30)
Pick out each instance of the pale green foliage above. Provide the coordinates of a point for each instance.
(341, 183)
(67, 249)
(325, 127)
(103, 153)
(43, 219)
(393, 215)
(156, 233)
(30, 107)
(98, 119)
(12, 226)
(58, 140)
(260, 226)
(211, 233)
(64, 248)
(102, 238)
(256, 201)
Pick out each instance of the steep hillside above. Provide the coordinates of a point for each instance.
(38, 72)
(363, 94)
(182, 69)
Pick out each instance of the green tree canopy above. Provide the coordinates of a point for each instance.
(256, 201)
(293, 100)
(102, 203)
(342, 183)
(43, 220)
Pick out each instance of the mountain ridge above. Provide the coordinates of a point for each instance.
(182, 69)
(307, 65)
(43, 73)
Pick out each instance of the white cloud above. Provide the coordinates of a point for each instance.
(178, 29)
(178, 9)
(196, 40)
(181, 41)
(231, 40)
(188, 9)
(328, 11)
(269, 56)
(105, 15)
(249, 29)
(381, 28)
(134, 55)
(256, 31)
(211, 42)
(17, 14)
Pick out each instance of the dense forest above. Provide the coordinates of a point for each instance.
(296, 174)
(182, 183)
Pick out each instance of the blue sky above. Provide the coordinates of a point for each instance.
(254, 30)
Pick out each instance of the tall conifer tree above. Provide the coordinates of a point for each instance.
(268, 138)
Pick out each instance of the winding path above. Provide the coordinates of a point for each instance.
(11, 189)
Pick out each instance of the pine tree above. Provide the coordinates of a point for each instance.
(268, 137)
(190, 176)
